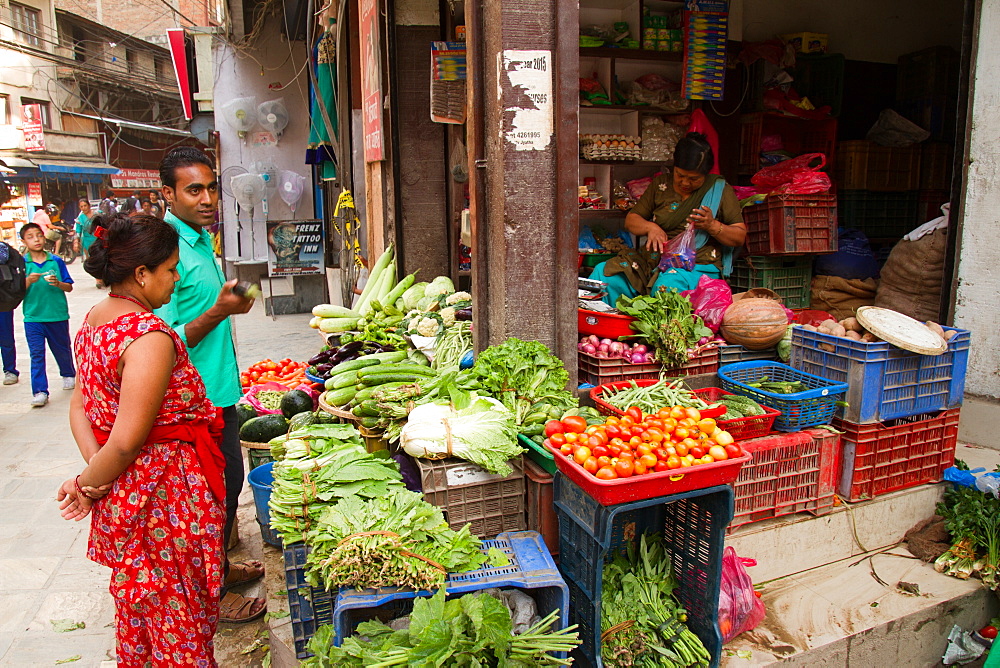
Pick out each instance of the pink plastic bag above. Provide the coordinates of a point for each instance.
(637, 187)
(710, 299)
(739, 608)
(251, 396)
(680, 251)
(798, 176)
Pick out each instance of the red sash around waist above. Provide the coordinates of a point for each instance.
(205, 438)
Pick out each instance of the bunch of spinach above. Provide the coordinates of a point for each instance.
(666, 322)
(521, 374)
(972, 519)
(393, 540)
(473, 630)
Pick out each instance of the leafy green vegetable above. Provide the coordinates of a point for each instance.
(474, 630)
(972, 518)
(522, 373)
(666, 321)
(394, 540)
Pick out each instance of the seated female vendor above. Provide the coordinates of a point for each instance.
(686, 195)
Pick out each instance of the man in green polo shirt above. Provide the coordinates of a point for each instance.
(199, 312)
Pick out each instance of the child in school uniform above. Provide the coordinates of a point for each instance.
(46, 313)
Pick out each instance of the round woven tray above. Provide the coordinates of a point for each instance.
(333, 410)
(249, 445)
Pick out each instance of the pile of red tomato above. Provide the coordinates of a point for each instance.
(287, 372)
(638, 444)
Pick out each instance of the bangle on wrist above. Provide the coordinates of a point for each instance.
(80, 489)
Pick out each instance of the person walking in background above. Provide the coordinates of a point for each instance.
(199, 312)
(147, 206)
(46, 314)
(83, 228)
(12, 289)
(132, 203)
(153, 479)
(109, 205)
(157, 205)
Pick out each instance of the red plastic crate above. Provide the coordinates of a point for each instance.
(649, 485)
(790, 473)
(897, 454)
(598, 371)
(745, 427)
(792, 225)
(608, 409)
(864, 165)
(604, 325)
(798, 136)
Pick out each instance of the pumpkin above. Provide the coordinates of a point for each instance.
(755, 324)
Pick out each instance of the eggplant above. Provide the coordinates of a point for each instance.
(319, 358)
(347, 351)
(463, 314)
(322, 369)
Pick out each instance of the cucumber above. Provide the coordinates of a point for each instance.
(366, 409)
(388, 358)
(370, 422)
(341, 380)
(367, 392)
(382, 378)
(354, 365)
(340, 397)
(396, 368)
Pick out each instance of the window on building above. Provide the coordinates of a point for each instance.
(46, 116)
(4, 110)
(26, 23)
(162, 69)
(132, 61)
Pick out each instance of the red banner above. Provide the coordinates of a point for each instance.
(35, 194)
(31, 126)
(371, 80)
(178, 53)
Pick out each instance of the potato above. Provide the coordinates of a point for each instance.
(838, 330)
(851, 334)
(952, 333)
(868, 337)
(811, 328)
(851, 325)
(936, 328)
(828, 347)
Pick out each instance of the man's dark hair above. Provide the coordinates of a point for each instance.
(182, 156)
(109, 194)
(145, 200)
(29, 226)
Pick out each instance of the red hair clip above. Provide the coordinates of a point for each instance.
(100, 232)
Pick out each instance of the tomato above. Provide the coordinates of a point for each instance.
(616, 441)
(635, 441)
(698, 451)
(626, 454)
(636, 431)
(554, 427)
(718, 453)
(707, 425)
(693, 413)
(687, 461)
(655, 435)
(593, 441)
(677, 413)
(567, 449)
(626, 422)
(733, 451)
(724, 438)
(615, 449)
(571, 437)
(606, 473)
(708, 459)
(624, 468)
(661, 454)
(557, 439)
(661, 466)
(639, 469)
(655, 422)
(600, 451)
(681, 449)
(581, 454)
(690, 443)
(643, 449)
(611, 419)
(649, 461)
(574, 423)
(681, 433)
(635, 413)
(663, 413)
(989, 632)
(603, 461)
(590, 465)
(674, 463)
(612, 431)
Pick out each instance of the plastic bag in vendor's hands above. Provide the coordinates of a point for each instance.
(680, 252)
(739, 608)
(710, 299)
(800, 176)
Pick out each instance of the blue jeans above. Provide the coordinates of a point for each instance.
(682, 279)
(57, 335)
(7, 352)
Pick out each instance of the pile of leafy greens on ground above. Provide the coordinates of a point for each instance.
(473, 630)
(521, 374)
(972, 519)
(320, 465)
(665, 321)
(393, 540)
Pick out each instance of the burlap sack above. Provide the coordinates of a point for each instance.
(841, 297)
(912, 276)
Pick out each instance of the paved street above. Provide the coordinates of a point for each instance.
(55, 603)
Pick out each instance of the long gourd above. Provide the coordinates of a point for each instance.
(373, 279)
(397, 292)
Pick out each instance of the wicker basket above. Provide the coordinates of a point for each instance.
(257, 453)
(333, 410)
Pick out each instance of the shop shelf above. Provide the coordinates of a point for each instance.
(538, 454)
(790, 277)
(531, 568)
(729, 354)
(790, 473)
(598, 371)
(878, 215)
(467, 494)
(864, 165)
(604, 325)
(809, 408)
(896, 454)
(597, 394)
(541, 511)
(792, 224)
(926, 73)
(798, 136)
(935, 165)
(693, 526)
(884, 382)
(820, 77)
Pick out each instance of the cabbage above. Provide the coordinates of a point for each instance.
(441, 285)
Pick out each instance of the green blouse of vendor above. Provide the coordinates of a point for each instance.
(655, 215)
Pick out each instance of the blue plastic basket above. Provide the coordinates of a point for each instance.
(314, 379)
(885, 382)
(693, 525)
(260, 480)
(531, 568)
(815, 406)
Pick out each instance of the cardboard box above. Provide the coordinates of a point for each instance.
(807, 42)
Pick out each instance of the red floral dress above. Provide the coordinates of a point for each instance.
(160, 527)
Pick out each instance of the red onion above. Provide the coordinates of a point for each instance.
(639, 358)
(603, 348)
(617, 348)
(606, 342)
(588, 348)
(593, 340)
(639, 348)
(602, 355)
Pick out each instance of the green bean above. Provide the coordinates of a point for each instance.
(650, 399)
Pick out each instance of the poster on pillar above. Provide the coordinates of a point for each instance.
(526, 96)
(295, 248)
(31, 126)
(371, 79)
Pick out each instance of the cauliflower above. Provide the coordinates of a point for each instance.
(458, 297)
(428, 327)
(448, 316)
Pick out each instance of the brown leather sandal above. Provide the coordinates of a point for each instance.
(236, 609)
(243, 572)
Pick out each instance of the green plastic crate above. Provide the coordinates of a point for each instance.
(790, 277)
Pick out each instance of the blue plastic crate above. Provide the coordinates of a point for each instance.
(815, 406)
(693, 525)
(885, 382)
(531, 568)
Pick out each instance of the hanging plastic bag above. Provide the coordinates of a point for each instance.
(710, 299)
(798, 176)
(680, 252)
(739, 608)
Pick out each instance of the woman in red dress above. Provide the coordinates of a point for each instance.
(154, 477)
